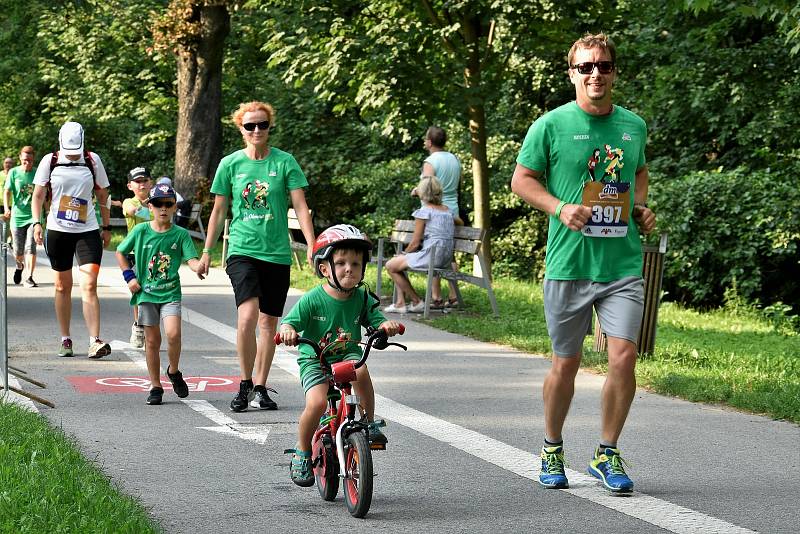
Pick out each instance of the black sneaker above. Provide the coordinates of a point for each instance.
(178, 383)
(245, 395)
(17, 276)
(30, 282)
(155, 396)
(261, 399)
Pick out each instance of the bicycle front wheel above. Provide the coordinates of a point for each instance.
(358, 475)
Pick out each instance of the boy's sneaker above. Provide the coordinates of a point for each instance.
(17, 276)
(377, 439)
(30, 282)
(99, 348)
(300, 468)
(178, 383)
(607, 466)
(137, 336)
(552, 475)
(245, 395)
(261, 398)
(155, 396)
(65, 351)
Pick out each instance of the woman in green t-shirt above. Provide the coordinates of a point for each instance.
(256, 182)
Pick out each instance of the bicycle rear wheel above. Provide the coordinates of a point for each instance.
(326, 470)
(358, 475)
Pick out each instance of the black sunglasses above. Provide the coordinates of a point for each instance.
(587, 67)
(251, 126)
(159, 204)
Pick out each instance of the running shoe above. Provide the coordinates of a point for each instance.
(552, 475)
(377, 439)
(137, 336)
(419, 307)
(607, 465)
(65, 351)
(394, 308)
(261, 398)
(30, 282)
(99, 348)
(155, 396)
(17, 276)
(245, 395)
(179, 385)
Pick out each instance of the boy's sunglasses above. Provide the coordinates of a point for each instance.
(587, 67)
(251, 126)
(159, 204)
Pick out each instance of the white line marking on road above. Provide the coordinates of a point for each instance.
(226, 425)
(671, 517)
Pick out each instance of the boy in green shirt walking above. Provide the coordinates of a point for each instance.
(159, 248)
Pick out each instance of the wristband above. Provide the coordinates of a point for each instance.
(37, 223)
(558, 209)
(128, 275)
(206, 251)
(107, 228)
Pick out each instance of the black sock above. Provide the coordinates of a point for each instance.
(603, 446)
(558, 443)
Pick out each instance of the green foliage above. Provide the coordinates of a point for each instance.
(732, 227)
(47, 486)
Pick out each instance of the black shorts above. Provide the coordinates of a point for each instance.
(269, 282)
(62, 246)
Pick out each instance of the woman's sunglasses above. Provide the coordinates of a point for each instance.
(159, 204)
(587, 67)
(251, 126)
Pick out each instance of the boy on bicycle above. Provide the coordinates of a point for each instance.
(159, 248)
(333, 312)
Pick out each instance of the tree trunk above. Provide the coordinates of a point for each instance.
(477, 128)
(198, 143)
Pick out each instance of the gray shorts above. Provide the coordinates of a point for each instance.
(150, 313)
(568, 310)
(23, 240)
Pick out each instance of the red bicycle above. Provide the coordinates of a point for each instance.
(341, 442)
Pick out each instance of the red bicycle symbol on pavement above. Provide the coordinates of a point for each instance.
(139, 384)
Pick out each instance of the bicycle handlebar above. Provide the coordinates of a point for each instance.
(378, 338)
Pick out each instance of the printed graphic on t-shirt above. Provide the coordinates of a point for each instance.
(341, 339)
(158, 272)
(611, 165)
(254, 197)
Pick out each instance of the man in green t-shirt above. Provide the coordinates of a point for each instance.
(591, 155)
(18, 189)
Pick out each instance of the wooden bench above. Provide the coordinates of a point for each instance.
(195, 218)
(466, 239)
(295, 232)
(653, 275)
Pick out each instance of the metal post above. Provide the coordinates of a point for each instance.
(4, 309)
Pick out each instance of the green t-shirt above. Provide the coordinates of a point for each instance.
(20, 183)
(142, 212)
(259, 189)
(158, 257)
(569, 146)
(320, 317)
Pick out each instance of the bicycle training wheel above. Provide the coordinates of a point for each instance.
(358, 475)
(326, 472)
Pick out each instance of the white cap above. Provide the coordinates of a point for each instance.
(70, 139)
(165, 180)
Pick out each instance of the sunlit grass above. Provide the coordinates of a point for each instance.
(47, 486)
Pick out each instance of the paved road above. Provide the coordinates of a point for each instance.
(464, 418)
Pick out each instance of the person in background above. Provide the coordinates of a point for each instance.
(256, 181)
(18, 192)
(594, 255)
(73, 231)
(136, 211)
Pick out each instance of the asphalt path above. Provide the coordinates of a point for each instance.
(464, 428)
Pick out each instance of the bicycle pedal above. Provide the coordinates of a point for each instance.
(377, 446)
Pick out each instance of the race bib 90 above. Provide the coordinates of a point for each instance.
(610, 205)
(72, 211)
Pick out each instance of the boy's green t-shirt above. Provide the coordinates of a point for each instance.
(20, 183)
(158, 257)
(563, 144)
(258, 190)
(320, 317)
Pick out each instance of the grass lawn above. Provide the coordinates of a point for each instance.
(732, 357)
(47, 486)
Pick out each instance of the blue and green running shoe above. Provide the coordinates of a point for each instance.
(607, 466)
(552, 474)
